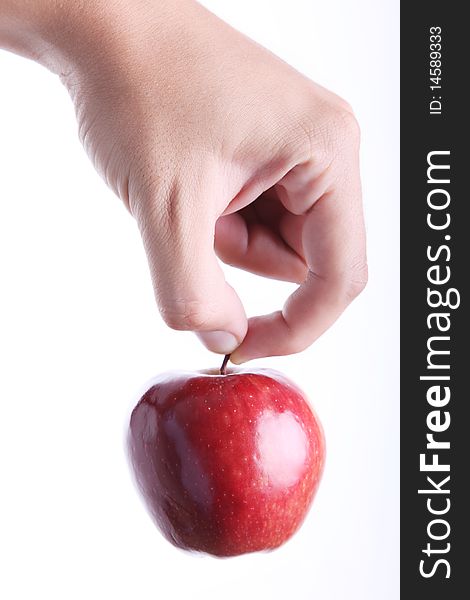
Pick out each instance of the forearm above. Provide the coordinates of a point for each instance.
(31, 28)
(61, 34)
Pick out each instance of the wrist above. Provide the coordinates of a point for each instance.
(67, 35)
(32, 27)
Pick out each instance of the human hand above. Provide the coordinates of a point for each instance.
(217, 147)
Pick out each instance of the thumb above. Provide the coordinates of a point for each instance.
(189, 284)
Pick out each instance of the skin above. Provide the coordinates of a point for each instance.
(218, 149)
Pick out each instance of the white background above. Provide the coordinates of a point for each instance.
(80, 335)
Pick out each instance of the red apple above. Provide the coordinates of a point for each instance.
(227, 462)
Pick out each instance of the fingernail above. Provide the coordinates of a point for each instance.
(221, 342)
(236, 358)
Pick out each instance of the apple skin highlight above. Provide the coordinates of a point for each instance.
(227, 463)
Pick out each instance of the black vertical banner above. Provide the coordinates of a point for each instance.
(435, 268)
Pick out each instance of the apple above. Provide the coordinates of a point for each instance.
(228, 461)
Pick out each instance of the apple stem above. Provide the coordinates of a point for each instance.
(223, 368)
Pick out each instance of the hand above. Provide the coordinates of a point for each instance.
(217, 147)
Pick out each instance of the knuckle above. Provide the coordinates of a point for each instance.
(357, 281)
(295, 341)
(187, 315)
(331, 129)
(344, 104)
(347, 124)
